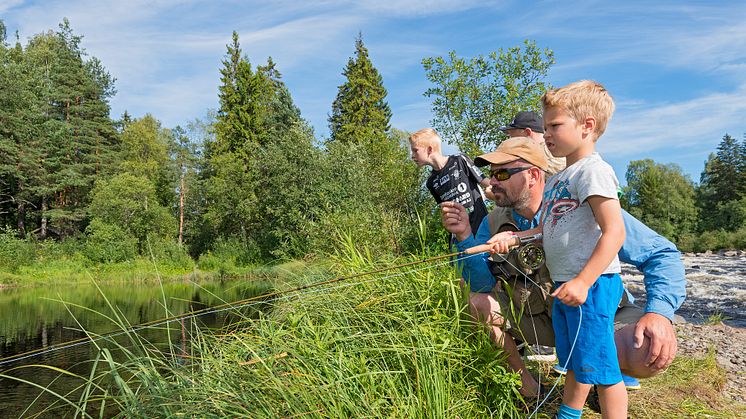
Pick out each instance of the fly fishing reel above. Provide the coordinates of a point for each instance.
(528, 256)
(531, 257)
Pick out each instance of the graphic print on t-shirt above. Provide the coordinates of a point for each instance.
(459, 181)
(558, 202)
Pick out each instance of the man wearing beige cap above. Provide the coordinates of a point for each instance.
(509, 297)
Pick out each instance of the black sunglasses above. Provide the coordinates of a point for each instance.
(504, 174)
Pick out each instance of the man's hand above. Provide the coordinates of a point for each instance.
(662, 337)
(573, 292)
(455, 219)
(503, 242)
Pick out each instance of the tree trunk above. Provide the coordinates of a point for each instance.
(43, 228)
(21, 218)
(181, 209)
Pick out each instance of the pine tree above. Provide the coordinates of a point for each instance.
(255, 106)
(278, 114)
(725, 179)
(723, 186)
(231, 114)
(77, 137)
(185, 156)
(360, 113)
(20, 154)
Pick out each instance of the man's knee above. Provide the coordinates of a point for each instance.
(485, 308)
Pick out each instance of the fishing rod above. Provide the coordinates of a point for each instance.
(235, 304)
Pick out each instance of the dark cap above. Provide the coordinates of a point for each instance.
(513, 149)
(526, 120)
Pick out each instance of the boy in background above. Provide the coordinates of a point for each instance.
(453, 178)
(583, 230)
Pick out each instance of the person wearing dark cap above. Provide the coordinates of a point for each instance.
(645, 340)
(530, 124)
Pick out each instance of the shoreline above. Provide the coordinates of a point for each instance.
(729, 345)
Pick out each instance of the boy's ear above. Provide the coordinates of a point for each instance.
(589, 125)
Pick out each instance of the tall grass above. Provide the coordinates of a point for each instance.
(397, 345)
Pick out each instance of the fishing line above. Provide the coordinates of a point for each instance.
(259, 299)
(533, 324)
(556, 382)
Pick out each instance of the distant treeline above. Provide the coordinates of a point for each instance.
(706, 216)
(251, 182)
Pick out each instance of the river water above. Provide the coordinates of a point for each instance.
(42, 317)
(716, 287)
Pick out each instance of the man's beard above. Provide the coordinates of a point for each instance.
(505, 200)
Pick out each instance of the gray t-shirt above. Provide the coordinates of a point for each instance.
(569, 228)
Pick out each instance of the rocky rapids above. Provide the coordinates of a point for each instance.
(716, 287)
(714, 311)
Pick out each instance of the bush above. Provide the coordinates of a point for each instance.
(130, 203)
(713, 240)
(169, 252)
(227, 255)
(15, 252)
(108, 243)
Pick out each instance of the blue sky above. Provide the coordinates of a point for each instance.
(676, 69)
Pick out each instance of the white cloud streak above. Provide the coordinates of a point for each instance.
(696, 124)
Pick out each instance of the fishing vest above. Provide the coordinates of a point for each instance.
(510, 275)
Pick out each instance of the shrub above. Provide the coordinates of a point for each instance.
(169, 252)
(108, 243)
(15, 252)
(227, 254)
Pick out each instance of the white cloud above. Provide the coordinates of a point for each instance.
(701, 38)
(166, 54)
(174, 103)
(421, 7)
(6, 5)
(293, 42)
(696, 124)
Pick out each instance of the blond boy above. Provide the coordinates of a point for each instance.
(582, 227)
(453, 178)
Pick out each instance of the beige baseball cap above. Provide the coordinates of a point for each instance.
(513, 149)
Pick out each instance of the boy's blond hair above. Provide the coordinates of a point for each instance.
(582, 99)
(427, 137)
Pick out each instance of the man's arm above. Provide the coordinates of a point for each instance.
(660, 262)
(474, 268)
(665, 284)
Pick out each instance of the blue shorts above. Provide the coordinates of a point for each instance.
(594, 358)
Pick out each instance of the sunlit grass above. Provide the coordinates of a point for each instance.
(396, 344)
(392, 345)
(690, 388)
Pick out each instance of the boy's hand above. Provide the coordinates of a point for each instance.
(455, 219)
(502, 242)
(573, 292)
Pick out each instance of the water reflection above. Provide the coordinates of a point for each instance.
(34, 318)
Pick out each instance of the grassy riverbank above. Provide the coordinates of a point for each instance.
(392, 345)
(25, 263)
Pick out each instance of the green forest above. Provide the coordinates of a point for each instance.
(251, 183)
